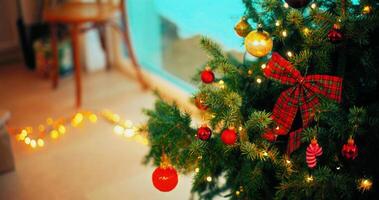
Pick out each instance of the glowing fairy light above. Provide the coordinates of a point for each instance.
(40, 142)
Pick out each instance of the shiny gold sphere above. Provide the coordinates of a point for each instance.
(258, 43)
(242, 28)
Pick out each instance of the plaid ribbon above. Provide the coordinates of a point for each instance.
(302, 95)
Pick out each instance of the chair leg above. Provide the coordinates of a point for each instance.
(74, 31)
(129, 47)
(103, 40)
(54, 48)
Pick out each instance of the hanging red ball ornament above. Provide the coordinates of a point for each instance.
(269, 136)
(297, 3)
(335, 35)
(199, 102)
(204, 132)
(229, 136)
(350, 150)
(207, 76)
(165, 177)
(313, 151)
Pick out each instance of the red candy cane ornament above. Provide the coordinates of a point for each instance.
(313, 151)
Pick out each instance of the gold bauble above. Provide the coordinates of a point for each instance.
(242, 28)
(258, 43)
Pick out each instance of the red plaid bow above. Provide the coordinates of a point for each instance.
(303, 95)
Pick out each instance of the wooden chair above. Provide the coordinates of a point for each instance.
(75, 14)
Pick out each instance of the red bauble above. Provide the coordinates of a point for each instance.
(269, 136)
(335, 35)
(199, 102)
(229, 136)
(350, 150)
(297, 3)
(204, 132)
(207, 76)
(165, 179)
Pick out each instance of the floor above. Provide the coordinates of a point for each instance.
(86, 163)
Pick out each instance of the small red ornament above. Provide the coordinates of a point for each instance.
(229, 136)
(199, 102)
(207, 76)
(350, 150)
(335, 35)
(313, 151)
(165, 177)
(204, 132)
(269, 136)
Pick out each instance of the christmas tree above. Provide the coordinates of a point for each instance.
(299, 121)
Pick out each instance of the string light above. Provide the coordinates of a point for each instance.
(366, 9)
(129, 132)
(41, 128)
(284, 33)
(263, 66)
(286, 5)
(77, 120)
(277, 23)
(118, 130)
(237, 193)
(306, 31)
(364, 184)
(40, 142)
(309, 179)
(27, 140)
(33, 144)
(259, 80)
(264, 153)
(54, 134)
(57, 128)
(49, 121)
(289, 54)
(313, 5)
(209, 178)
(61, 129)
(92, 118)
(197, 170)
(250, 72)
(221, 84)
(288, 161)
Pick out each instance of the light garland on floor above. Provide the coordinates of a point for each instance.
(38, 137)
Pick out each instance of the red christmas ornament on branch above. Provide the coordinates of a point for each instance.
(165, 177)
(303, 94)
(335, 35)
(313, 151)
(199, 102)
(229, 136)
(207, 76)
(204, 132)
(271, 134)
(350, 150)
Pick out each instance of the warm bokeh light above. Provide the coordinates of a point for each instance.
(364, 184)
(92, 118)
(40, 142)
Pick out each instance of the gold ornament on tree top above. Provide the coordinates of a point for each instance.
(242, 28)
(258, 43)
